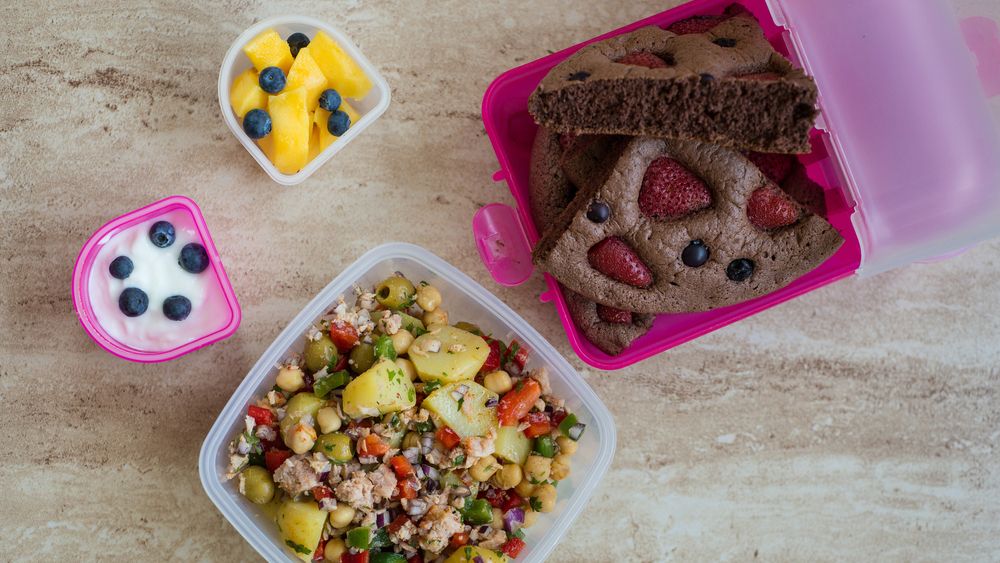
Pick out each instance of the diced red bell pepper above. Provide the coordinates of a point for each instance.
(513, 500)
(274, 458)
(492, 362)
(517, 402)
(458, 540)
(341, 362)
(448, 437)
(261, 415)
(372, 446)
(405, 489)
(320, 551)
(520, 356)
(359, 557)
(558, 416)
(512, 548)
(538, 424)
(415, 558)
(398, 523)
(496, 497)
(343, 335)
(401, 466)
(321, 492)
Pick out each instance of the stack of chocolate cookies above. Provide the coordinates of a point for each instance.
(664, 176)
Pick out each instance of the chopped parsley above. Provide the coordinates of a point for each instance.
(425, 426)
(468, 553)
(418, 331)
(535, 504)
(298, 548)
(431, 385)
(459, 460)
(384, 348)
(460, 401)
(518, 533)
(411, 394)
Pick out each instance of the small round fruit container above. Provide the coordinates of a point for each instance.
(369, 108)
(220, 304)
(466, 300)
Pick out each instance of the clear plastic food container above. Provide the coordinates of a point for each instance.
(465, 299)
(906, 145)
(235, 62)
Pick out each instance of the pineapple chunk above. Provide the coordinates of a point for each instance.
(340, 69)
(314, 149)
(269, 49)
(246, 94)
(267, 146)
(306, 73)
(321, 116)
(290, 130)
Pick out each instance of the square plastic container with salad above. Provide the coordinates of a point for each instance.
(416, 416)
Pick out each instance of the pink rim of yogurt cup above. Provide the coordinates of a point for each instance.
(88, 254)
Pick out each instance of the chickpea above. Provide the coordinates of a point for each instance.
(407, 367)
(497, 521)
(525, 488)
(560, 467)
(335, 547)
(411, 440)
(328, 420)
(437, 317)
(290, 379)
(537, 468)
(530, 517)
(428, 298)
(302, 438)
(258, 486)
(401, 340)
(341, 516)
(508, 476)
(484, 468)
(498, 382)
(546, 497)
(566, 445)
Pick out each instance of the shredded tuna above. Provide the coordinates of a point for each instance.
(403, 533)
(498, 538)
(296, 475)
(383, 483)
(437, 527)
(541, 375)
(356, 491)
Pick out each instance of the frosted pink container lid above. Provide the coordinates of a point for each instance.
(906, 145)
(89, 252)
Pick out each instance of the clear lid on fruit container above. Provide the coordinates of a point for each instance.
(910, 94)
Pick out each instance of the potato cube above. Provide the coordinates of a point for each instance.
(269, 49)
(290, 128)
(340, 69)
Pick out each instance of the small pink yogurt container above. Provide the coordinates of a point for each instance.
(906, 146)
(152, 337)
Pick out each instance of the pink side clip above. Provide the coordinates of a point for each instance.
(502, 244)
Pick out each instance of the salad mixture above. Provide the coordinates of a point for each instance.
(398, 437)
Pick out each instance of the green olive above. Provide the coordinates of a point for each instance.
(468, 327)
(362, 357)
(258, 486)
(336, 446)
(395, 292)
(320, 353)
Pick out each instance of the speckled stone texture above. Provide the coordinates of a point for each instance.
(859, 422)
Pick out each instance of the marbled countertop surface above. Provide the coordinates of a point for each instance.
(861, 421)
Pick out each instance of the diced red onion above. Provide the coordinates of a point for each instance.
(430, 485)
(513, 519)
(427, 443)
(478, 559)
(417, 507)
(418, 470)
(490, 403)
(484, 528)
(429, 471)
(576, 431)
(412, 455)
(382, 519)
(459, 392)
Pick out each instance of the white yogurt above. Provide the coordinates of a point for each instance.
(156, 271)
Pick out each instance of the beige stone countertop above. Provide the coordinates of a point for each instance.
(859, 422)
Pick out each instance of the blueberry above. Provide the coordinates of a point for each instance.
(598, 212)
(739, 269)
(329, 100)
(257, 123)
(193, 258)
(297, 41)
(133, 302)
(162, 234)
(272, 80)
(177, 307)
(695, 254)
(338, 124)
(121, 267)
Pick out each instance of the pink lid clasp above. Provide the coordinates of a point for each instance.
(502, 244)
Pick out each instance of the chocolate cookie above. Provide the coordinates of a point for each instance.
(551, 193)
(611, 330)
(689, 227)
(711, 79)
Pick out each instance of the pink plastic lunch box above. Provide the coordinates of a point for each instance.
(191, 215)
(906, 145)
